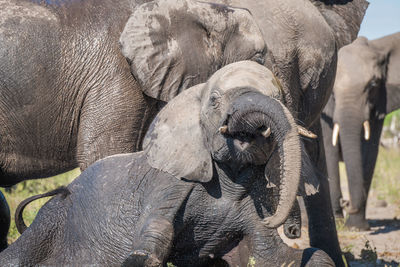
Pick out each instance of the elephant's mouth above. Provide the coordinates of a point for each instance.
(248, 142)
(244, 140)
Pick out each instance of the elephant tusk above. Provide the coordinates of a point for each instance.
(367, 130)
(266, 133)
(335, 134)
(223, 129)
(304, 132)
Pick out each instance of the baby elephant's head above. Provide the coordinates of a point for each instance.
(242, 118)
(235, 119)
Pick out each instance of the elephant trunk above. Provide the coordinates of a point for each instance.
(351, 135)
(273, 120)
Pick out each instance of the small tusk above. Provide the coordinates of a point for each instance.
(223, 129)
(367, 130)
(304, 132)
(335, 134)
(266, 133)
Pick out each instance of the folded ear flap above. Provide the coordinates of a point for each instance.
(174, 141)
(344, 17)
(172, 45)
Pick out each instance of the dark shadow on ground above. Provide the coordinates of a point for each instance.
(352, 262)
(388, 226)
(379, 263)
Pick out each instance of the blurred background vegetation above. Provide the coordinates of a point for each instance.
(21, 191)
(385, 184)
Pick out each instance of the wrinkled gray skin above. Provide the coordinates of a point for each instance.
(367, 87)
(194, 192)
(67, 93)
(302, 39)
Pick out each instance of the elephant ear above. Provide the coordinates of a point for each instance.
(172, 45)
(174, 141)
(344, 17)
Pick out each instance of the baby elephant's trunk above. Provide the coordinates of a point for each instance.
(281, 126)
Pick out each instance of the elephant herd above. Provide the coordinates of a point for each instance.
(196, 126)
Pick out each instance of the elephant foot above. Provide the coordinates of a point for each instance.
(292, 231)
(141, 258)
(357, 221)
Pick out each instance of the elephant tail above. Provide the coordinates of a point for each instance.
(19, 220)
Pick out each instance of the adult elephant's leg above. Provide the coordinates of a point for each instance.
(332, 163)
(4, 221)
(321, 223)
(113, 120)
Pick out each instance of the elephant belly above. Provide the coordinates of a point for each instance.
(35, 145)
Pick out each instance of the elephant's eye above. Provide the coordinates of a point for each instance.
(259, 58)
(215, 100)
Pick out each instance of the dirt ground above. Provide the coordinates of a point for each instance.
(380, 246)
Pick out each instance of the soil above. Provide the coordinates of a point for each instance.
(380, 246)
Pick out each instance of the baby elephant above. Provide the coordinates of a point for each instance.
(197, 190)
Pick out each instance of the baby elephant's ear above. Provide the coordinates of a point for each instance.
(174, 141)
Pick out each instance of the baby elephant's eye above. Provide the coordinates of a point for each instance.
(259, 58)
(215, 100)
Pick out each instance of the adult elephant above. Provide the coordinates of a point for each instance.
(303, 38)
(67, 94)
(367, 87)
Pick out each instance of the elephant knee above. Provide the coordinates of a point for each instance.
(156, 237)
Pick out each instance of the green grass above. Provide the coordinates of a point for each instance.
(30, 188)
(389, 117)
(386, 180)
